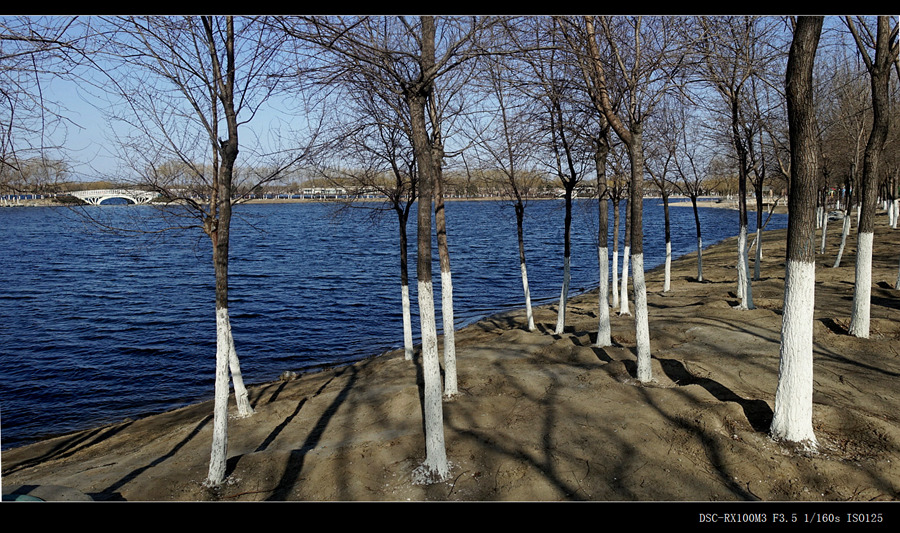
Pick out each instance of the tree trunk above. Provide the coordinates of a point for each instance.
(450, 386)
(219, 451)
(759, 226)
(435, 467)
(218, 227)
(520, 230)
(615, 254)
(845, 231)
(699, 238)
(880, 79)
(792, 418)
(895, 213)
(226, 355)
(824, 224)
(897, 283)
(668, 275)
(745, 291)
(604, 335)
(845, 226)
(404, 288)
(641, 320)
(567, 255)
(626, 255)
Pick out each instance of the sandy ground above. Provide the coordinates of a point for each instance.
(545, 417)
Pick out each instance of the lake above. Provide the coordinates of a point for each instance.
(97, 326)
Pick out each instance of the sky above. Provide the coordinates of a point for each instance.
(86, 134)
(87, 137)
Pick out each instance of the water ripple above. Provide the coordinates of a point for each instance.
(96, 327)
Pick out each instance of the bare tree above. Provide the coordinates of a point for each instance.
(436, 118)
(370, 152)
(846, 113)
(660, 164)
(792, 419)
(618, 192)
(624, 309)
(190, 83)
(585, 52)
(765, 107)
(409, 55)
(736, 50)
(885, 44)
(561, 114)
(645, 60)
(691, 159)
(506, 145)
(34, 51)
(601, 153)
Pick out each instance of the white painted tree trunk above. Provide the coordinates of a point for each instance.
(435, 467)
(896, 214)
(741, 283)
(895, 220)
(641, 320)
(792, 415)
(667, 283)
(450, 387)
(896, 210)
(615, 278)
(862, 291)
(242, 399)
(758, 261)
(845, 231)
(219, 451)
(623, 297)
(699, 259)
(792, 418)
(824, 233)
(563, 298)
(529, 314)
(240, 391)
(604, 335)
(407, 324)
(745, 289)
(897, 284)
(750, 304)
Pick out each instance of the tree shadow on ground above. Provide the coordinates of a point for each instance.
(758, 412)
(598, 350)
(297, 457)
(70, 446)
(110, 493)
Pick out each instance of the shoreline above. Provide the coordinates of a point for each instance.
(332, 366)
(674, 201)
(714, 367)
(34, 430)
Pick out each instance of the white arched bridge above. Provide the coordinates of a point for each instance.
(97, 196)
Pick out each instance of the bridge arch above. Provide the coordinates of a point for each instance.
(98, 196)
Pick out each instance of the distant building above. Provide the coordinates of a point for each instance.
(324, 192)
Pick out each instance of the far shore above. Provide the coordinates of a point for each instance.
(674, 201)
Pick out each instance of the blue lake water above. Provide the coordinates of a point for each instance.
(96, 327)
